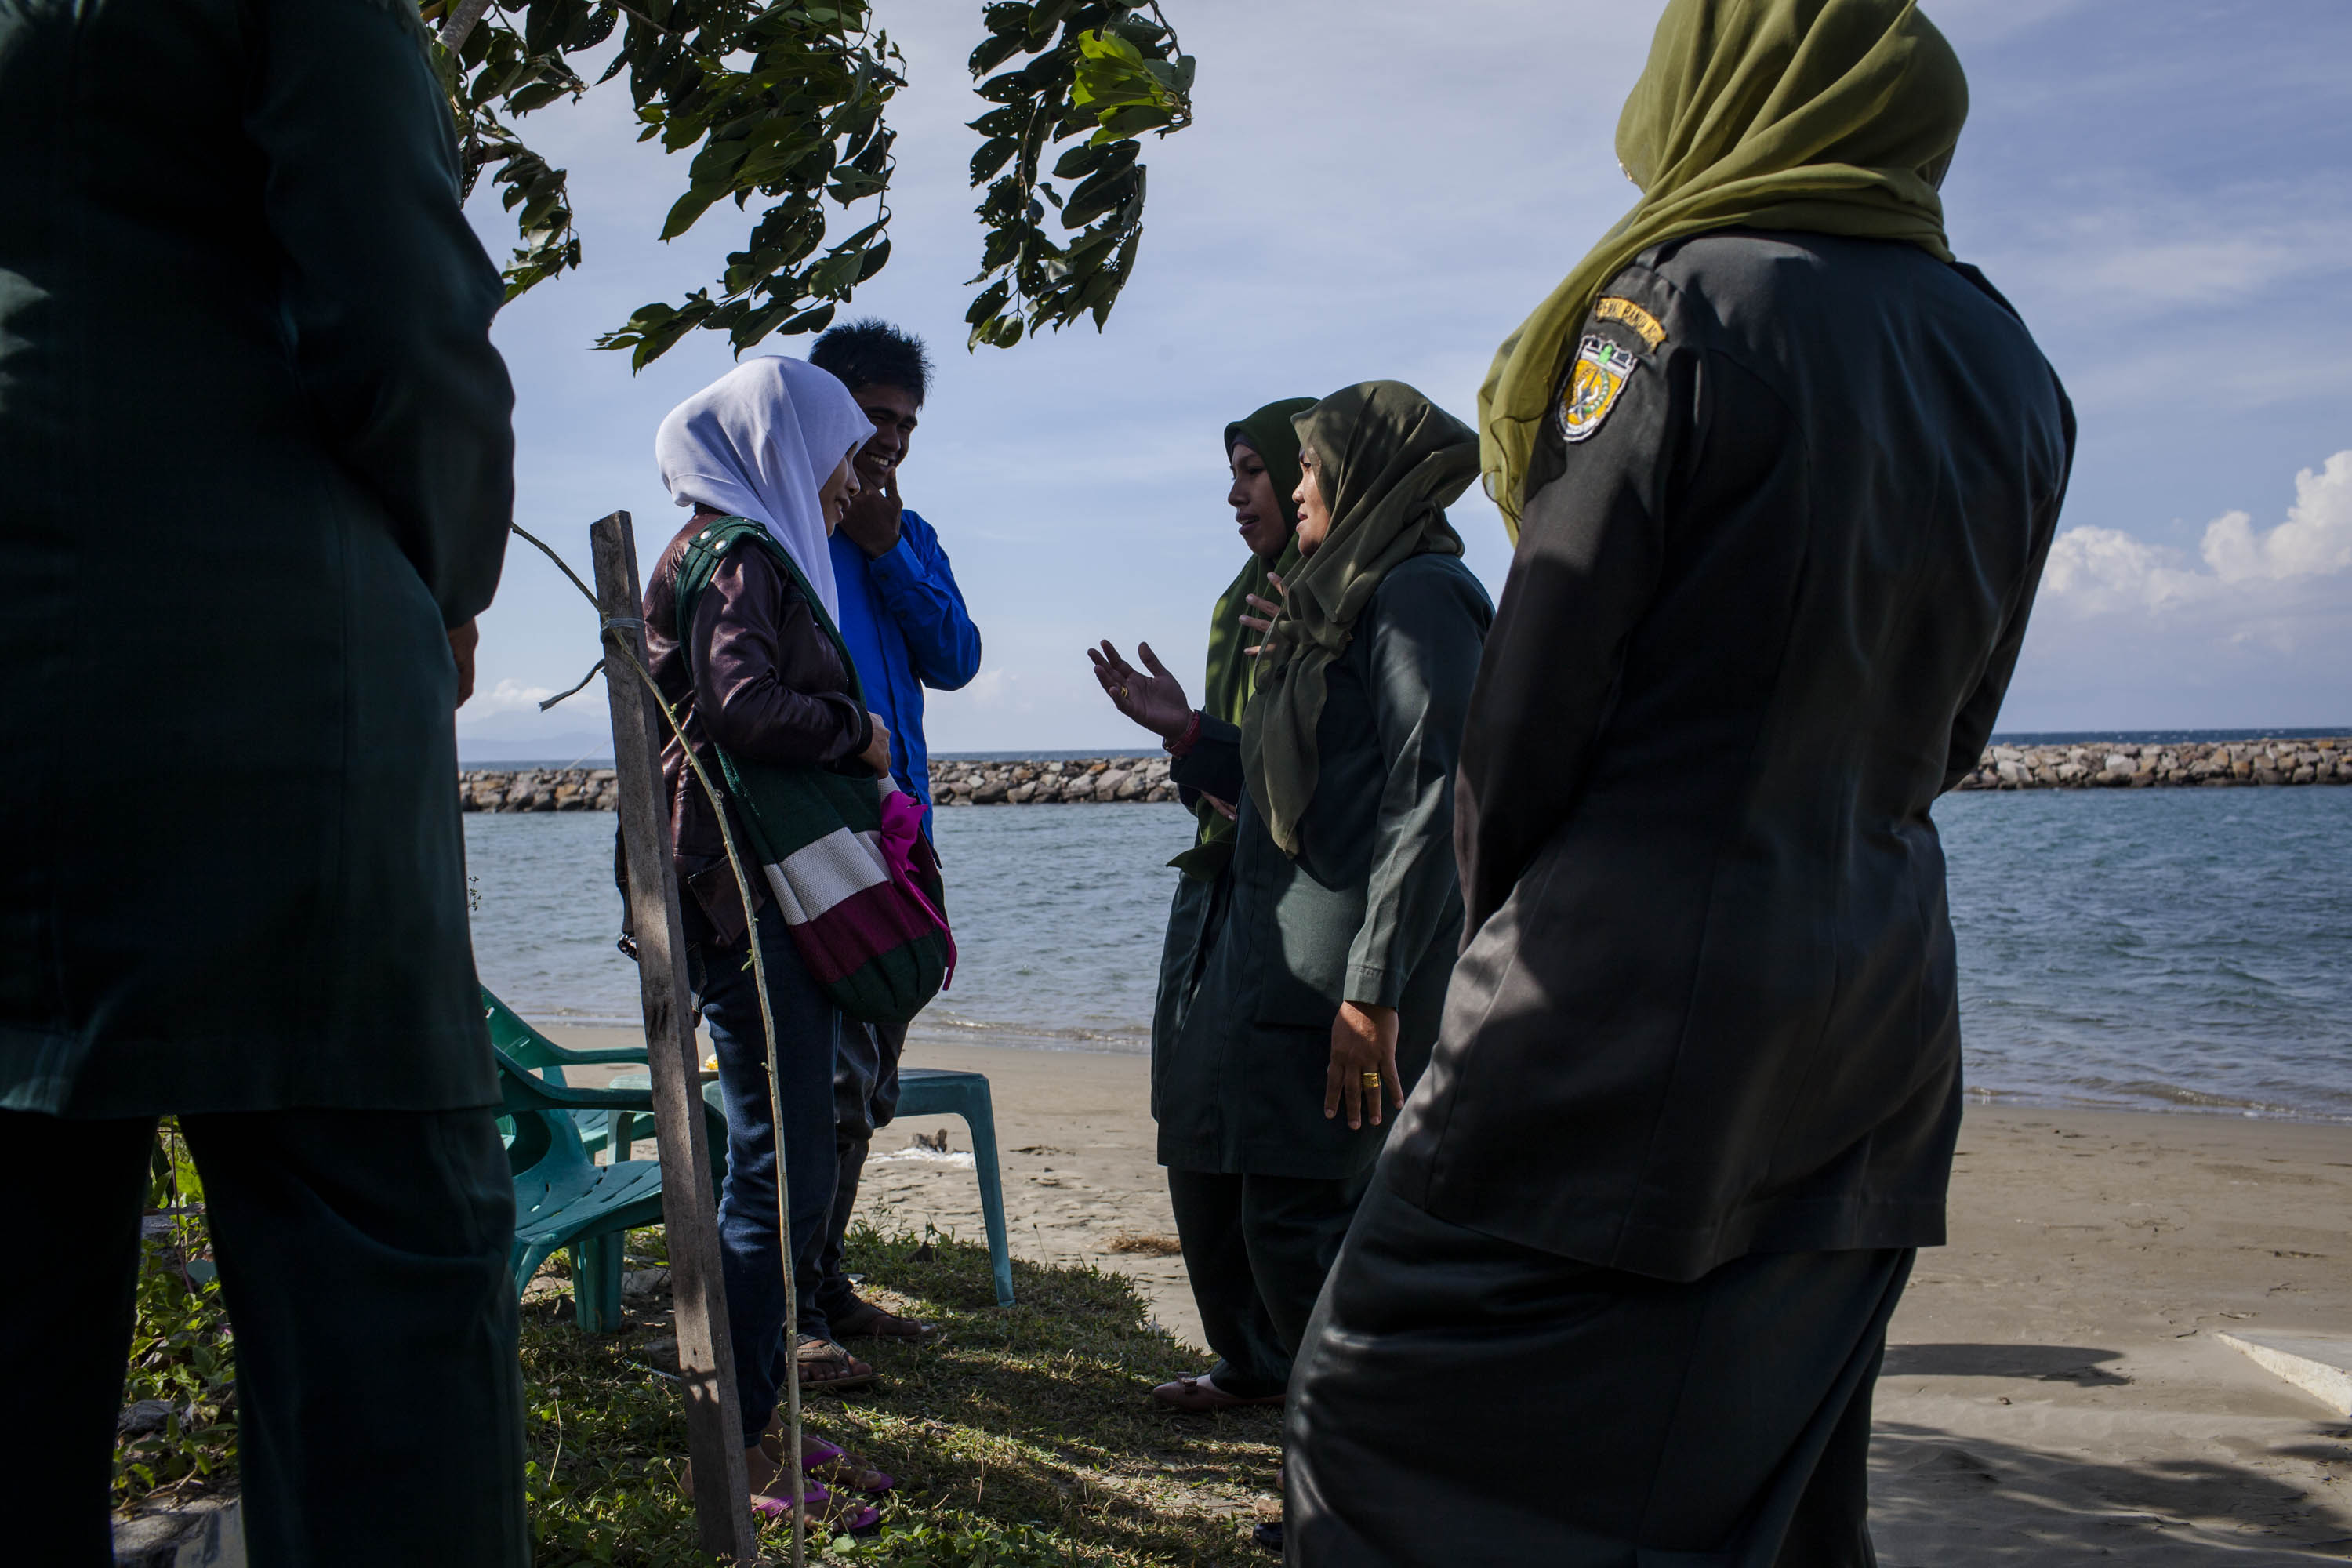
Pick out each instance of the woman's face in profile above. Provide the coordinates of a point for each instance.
(834, 499)
(1313, 514)
(1257, 510)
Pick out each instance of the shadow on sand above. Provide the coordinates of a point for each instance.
(1939, 1499)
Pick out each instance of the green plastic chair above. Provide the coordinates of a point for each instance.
(528, 1048)
(941, 1091)
(922, 1092)
(564, 1199)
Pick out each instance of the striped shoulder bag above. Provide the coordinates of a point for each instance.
(858, 882)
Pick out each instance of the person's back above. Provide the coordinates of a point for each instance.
(256, 469)
(1784, 476)
(1743, 892)
(257, 457)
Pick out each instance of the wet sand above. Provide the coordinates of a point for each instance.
(2052, 1393)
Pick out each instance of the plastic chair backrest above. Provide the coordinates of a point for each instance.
(526, 1046)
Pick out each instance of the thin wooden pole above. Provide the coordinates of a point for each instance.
(706, 1359)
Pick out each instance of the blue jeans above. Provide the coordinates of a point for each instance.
(809, 1028)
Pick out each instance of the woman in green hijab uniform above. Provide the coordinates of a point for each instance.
(1782, 477)
(1307, 1010)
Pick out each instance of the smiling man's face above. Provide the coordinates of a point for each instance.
(893, 410)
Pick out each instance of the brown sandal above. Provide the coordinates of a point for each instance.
(827, 1367)
(862, 1320)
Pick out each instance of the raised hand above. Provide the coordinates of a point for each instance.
(1155, 699)
(872, 524)
(1270, 611)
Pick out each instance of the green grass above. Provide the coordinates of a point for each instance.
(1021, 1435)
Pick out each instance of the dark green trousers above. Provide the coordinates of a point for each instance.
(363, 1255)
(1256, 1249)
(1462, 1399)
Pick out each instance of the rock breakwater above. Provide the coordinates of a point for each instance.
(2148, 765)
(1049, 782)
(1086, 780)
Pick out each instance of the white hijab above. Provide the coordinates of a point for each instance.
(759, 443)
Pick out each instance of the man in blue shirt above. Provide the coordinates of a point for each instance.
(905, 622)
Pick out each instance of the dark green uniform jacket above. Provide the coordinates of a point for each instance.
(1370, 910)
(255, 458)
(1761, 616)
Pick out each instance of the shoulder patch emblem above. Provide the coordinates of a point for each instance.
(1613, 309)
(1599, 374)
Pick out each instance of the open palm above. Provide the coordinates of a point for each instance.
(1151, 697)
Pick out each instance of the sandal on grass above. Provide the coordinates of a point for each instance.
(846, 1514)
(828, 1462)
(827, 1367)
(821, 1507)
(862, 1320)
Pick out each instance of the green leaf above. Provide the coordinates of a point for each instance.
(993, 154)
(996, 51)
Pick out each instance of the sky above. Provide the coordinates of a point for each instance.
(1377, 189)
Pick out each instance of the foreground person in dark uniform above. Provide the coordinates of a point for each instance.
(256, 469)
(1320, 995)
(1621, 1287)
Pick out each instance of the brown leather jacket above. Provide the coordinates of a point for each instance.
(766, 684)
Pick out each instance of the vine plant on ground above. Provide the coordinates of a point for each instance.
(181, 1426)
(785, 101)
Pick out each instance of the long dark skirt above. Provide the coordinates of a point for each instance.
(1462, 1399)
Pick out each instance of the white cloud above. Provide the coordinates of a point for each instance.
(2104, 571)
(2314, 541)
(509, 696)
(2255, 628)
(2097, 571)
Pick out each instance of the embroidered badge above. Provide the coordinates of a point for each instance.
(1593, 382)
(1612, 309)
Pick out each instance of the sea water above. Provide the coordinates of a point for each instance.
(2156, 949)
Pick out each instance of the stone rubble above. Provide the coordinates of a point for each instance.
(1086, 780)
(2154, 765)
(1059, 781)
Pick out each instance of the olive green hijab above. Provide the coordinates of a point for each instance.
(1226, 690)
(1827, 116)
(1388, 461)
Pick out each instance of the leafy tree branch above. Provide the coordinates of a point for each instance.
(784, 102)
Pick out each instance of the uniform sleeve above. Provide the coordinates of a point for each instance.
(1424, 658)
(1592, 546)
(1972, 726)
(918, 592)
(388, 294)
(747, 631)
(1213, 765)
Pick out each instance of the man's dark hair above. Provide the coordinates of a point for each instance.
(861, 354)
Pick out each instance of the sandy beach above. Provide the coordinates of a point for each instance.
(2053, 1390)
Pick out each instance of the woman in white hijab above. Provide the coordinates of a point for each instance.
(757, 675)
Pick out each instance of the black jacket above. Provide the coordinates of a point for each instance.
(765, 683)
(1762, 613)
(1367, 913)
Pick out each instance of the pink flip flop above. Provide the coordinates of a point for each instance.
(823, 1509)
(816, 1453)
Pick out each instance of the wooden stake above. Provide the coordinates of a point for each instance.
(706, 1359)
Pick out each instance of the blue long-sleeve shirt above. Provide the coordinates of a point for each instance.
(904, 619)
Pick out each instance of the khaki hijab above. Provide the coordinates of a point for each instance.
(1388, 460)
(1827, 116)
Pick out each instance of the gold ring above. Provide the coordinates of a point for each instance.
(1122, 691)
(1371, 1080)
